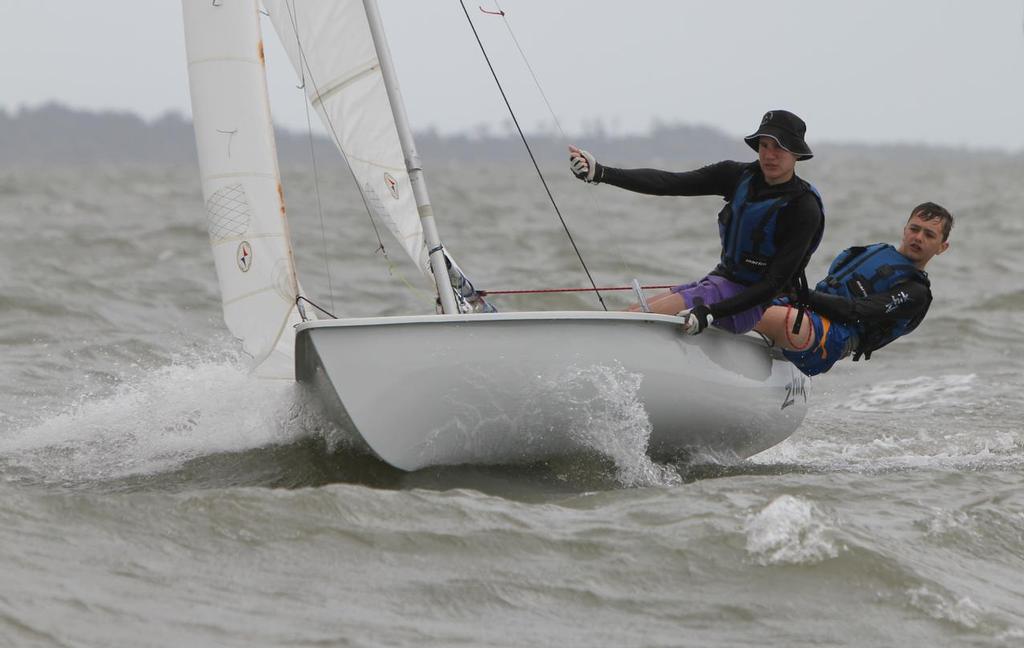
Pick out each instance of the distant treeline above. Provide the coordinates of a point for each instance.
(55, 134)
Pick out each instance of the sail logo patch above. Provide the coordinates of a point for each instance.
(244, 256)
(392, 184)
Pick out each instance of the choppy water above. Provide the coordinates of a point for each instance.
(153, 494)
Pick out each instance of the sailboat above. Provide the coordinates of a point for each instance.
(460, 386)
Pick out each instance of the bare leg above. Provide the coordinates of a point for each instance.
(666, 303)
(777, 323)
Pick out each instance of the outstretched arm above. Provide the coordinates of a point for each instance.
(715, 180)
(718, 179)
(901, 302)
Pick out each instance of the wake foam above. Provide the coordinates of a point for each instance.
(900, 450)
(156, 422)
(915, 393)
(947, 422)
(612, 421)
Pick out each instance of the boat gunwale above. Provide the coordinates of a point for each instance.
(751, 337)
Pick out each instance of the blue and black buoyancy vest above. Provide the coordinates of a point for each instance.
(868, 270)
(747, 229)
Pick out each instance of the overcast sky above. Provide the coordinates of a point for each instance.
(932, 71)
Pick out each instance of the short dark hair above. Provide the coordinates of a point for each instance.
(930, 211)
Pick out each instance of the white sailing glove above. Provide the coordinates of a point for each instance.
(583, 165)
(696, 319)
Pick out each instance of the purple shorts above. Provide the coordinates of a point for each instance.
(713, 289)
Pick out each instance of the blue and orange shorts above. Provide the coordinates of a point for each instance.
(832, 342)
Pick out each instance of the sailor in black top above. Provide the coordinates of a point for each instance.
(872, 295)
(770, 226)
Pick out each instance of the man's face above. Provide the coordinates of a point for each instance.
(777, 163)
(922, 239)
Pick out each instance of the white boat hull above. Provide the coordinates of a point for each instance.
(522, 387)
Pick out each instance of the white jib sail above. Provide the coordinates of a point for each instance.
(331, 48)
(240, 178)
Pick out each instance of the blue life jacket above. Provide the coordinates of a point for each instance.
(867, 270)
(747, 229)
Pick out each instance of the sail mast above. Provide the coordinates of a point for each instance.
(412, 160)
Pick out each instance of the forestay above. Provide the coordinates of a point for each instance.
(241, 182)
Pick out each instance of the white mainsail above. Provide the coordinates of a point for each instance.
(332, 50)
(241, 181)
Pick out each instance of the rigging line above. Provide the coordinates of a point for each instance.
(315, 305)
(319, 208)
(540, 291)
(558, 124)
(304, 66)
(522, 54)
(293, 16)
(532, 158)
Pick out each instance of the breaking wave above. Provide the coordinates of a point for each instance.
(790, 530)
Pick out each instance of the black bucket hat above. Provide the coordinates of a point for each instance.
(785, 128)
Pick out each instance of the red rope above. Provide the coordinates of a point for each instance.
(563, 290)
(493, 13)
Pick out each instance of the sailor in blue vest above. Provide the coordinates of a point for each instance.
(771, 224)
(872, 295)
